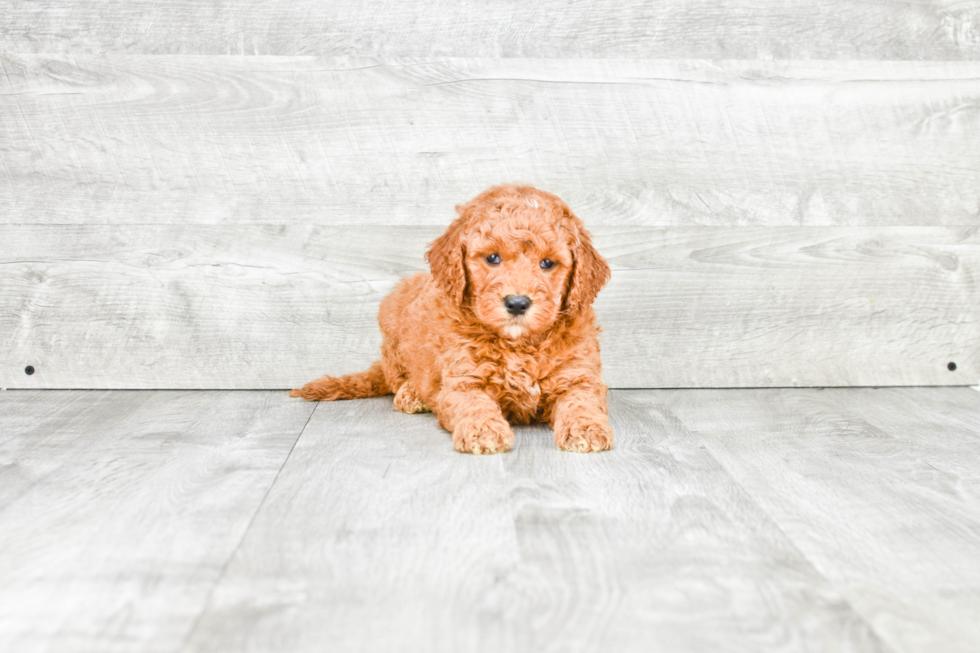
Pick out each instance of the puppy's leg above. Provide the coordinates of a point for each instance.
(407, 401)
(580, 419)
(475, 421)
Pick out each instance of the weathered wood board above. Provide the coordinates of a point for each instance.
(379, 537)
(272, 306)
(705, 29)
(873, 487)
(119, 510)
(189, 139)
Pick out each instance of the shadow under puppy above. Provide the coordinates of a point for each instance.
(502, 331)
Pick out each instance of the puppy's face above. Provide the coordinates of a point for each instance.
(517, 268)
(519, 259)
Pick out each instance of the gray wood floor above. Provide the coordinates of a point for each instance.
(735, 520)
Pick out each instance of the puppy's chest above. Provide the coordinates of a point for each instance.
(516, 382)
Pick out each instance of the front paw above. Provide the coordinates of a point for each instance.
(584, 435)
(406, 401)
(490, 436)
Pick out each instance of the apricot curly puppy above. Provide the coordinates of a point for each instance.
(502, 330)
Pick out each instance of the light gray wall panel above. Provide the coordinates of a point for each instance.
(709, 29)
(157, 306)
(179, 139)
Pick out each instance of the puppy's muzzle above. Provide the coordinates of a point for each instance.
(517, 304)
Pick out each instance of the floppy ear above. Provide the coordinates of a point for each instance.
(445, 257)
(590, 272)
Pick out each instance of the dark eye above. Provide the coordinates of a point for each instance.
(547, 264)
(493, 259)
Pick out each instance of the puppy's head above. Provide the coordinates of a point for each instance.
(519, 259)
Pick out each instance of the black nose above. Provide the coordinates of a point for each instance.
(517, 304)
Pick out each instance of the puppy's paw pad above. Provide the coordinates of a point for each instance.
(491, 437)
(584, 437)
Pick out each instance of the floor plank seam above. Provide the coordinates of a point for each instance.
(245, 532)
(886, 647)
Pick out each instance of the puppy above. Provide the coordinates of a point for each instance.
(502, 332)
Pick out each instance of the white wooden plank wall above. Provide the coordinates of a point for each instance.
(696, 29)
(788, 195)
(353, 141)
(270, 305)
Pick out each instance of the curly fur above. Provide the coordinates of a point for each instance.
(450, 345)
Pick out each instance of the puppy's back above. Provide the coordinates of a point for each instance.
(395, 306)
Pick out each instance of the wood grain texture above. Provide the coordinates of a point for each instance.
(119, 510)
(708, 29)
(874, 488)
(736, 520)
(190, 139)
(379, 537)
(159, 306)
